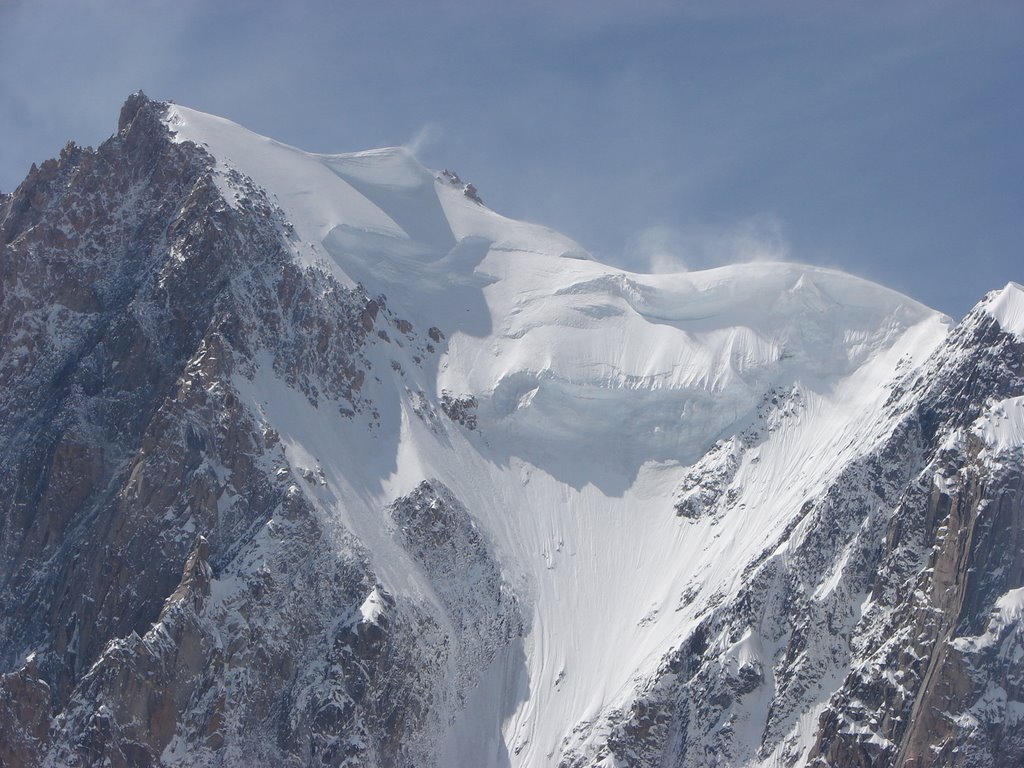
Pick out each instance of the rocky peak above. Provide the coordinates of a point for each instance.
(982, 360)
(130, 110)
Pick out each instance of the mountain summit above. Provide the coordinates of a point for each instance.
(316, 460)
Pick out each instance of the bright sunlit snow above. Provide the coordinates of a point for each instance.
(596, 390)
(1007, 307)
(1002, 427)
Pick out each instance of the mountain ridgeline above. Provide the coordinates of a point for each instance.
(316, 460)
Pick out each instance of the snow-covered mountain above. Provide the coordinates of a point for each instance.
(315, 459)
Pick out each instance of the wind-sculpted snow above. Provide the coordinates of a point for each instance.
(657, 365)
(1007, 307)
(318, 460)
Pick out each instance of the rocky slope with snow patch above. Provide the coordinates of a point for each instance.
(314, 459)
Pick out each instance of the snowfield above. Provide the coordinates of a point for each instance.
(596, 392)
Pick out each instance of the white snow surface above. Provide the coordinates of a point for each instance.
(1007, 307)
(1010, 606)
(1002, 425)
(373, 607)
(597, 388)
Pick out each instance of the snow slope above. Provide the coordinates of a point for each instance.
(1002, 427)
(596, 390)
(1007, 307)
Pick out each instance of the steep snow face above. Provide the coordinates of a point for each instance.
(1007, 307)
(593, 391)
(1002, 427)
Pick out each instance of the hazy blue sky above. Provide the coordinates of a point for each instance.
(885, 140)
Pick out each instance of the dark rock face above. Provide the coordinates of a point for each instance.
(440, 535)
(459, 409)
(90, 352)
(953, 549)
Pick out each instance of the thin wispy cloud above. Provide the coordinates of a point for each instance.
(428, 135)
(664, 248)
(658, 249)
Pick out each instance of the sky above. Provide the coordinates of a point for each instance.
(880, 138)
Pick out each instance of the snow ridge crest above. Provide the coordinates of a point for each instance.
(1007, 307)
